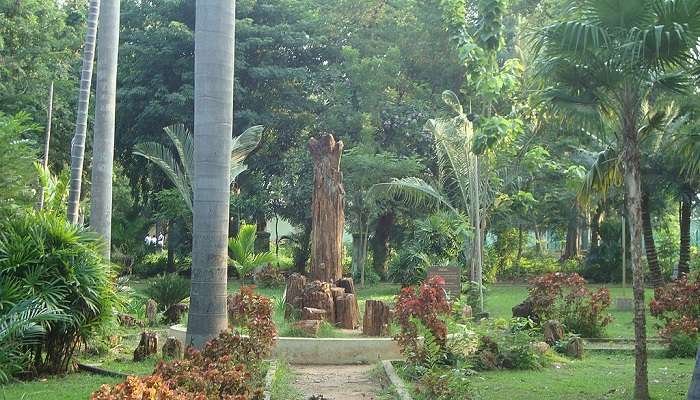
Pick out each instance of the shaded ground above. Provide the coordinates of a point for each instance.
(336, 382)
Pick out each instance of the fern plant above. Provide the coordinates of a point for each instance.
(168, 290)
(242, 255)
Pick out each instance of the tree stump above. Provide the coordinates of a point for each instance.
(318, 295)
(314, 314)
(553, 331)
(574, 348)
(294, 295)
(347, 312)
(174, 313)
(376, 321)
(148, 346)
(347, 284)
(172, 348)
(151, 312)
(310, 327)
(327, 210)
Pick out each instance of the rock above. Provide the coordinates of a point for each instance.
(525, 310)
(574, 348)
(172, 348)
(151, 312)
(540, 347)
(310, 327)
(310, 313)
(148, 346)
(553, 331)
(174, 313)
(467, 312)
(482, 315)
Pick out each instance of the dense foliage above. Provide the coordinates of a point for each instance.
(566, 298)
(57, 266)
(677, 306)
(229, 366)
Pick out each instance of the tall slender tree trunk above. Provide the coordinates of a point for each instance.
(380, 243)
(213, 126)
(519, 254)
(538, 240)
(656, 279)
(571, 244)
(595, 228)
(47, 145)
(694, 390)
(327, 210)
(103, 133)
(684, 250)
(633, 198)
(77, 153)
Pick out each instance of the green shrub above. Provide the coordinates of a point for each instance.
(46, 260)
(682, 346)
(20, 328)
(371, 276)
(168, 290)
(151, 265)
(269, 277)
(408, 267)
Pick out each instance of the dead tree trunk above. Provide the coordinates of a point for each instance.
(327, 212)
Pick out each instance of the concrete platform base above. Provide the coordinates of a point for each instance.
(324, 351)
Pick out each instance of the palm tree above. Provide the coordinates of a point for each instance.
(213, 123)
(103, 134)
(694, 390)
(610, 55)
(463, 188)
(78, 142)
(176, 159)
(242, 252)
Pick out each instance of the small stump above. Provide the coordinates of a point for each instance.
(313, 314)
(129, 321)
(310, 327)
(174, 313)
(147, 347)
(152, 312)
(172, 348)
(574, 348)
(377, 317)
(347, 315)
(553, 331)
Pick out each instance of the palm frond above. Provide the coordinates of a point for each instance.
(245, 143)
(603, 175)
(163, 157)
(415, 192)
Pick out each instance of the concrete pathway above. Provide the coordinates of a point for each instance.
(335, 382)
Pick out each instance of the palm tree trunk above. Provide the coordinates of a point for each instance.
(656, 279)
(684, 250)
(595, 228)
(633, 198)
(380, 243)
(213, 127)
(694, 390)
(47, 144)
(103, 133)
(77, 153)
(571, 244)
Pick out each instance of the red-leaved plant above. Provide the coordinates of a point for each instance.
(228, 368)
(566, 298)
(427, 306)
(677, 305)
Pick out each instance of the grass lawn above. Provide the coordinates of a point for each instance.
(597, 376)
(502, 297)
(78, 386)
